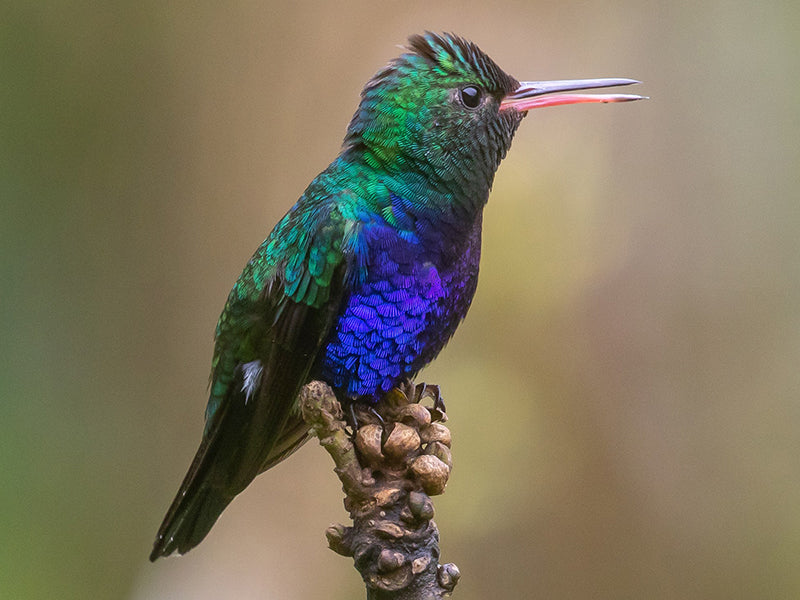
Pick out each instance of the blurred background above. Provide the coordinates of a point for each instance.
(624, 396)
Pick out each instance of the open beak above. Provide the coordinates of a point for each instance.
(532, 94)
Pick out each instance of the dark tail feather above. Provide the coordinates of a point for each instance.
(198, 505)
(195, 509)
(237, 447)
(188, 521)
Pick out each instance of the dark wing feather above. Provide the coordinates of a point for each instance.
(283, 329)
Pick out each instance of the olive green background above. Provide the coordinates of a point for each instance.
(624, 396)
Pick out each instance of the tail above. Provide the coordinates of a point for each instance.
(207, 490)
(195, 509)
(188, 521)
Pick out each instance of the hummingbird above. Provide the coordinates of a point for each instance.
(366, 278)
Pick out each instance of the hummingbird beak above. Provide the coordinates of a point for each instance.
(531, 94)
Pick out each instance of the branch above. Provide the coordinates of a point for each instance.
(400, 457)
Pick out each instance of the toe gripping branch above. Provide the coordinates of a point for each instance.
(398, 458)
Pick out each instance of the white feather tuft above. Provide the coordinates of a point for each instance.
(252, 378)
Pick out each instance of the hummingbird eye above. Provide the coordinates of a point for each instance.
(471, 96)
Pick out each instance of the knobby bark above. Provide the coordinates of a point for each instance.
(397, 458)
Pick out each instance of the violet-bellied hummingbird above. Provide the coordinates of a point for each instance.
(365, 279)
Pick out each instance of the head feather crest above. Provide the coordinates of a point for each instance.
(452, 53)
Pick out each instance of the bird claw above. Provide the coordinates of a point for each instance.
(371, 409)
(359, 413)
(424, 390)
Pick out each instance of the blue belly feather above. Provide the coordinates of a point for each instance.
(411, 299)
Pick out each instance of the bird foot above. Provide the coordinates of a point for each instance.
(431, 391)
(359, 412)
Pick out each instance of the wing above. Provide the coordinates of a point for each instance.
(268, 337)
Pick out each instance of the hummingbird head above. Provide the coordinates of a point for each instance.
(436, 110)
(446, 111)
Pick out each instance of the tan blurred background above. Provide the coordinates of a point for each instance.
(624, 395)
